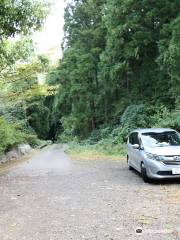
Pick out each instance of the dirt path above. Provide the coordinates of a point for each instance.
(51, 197)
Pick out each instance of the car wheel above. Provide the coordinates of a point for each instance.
(144, 173)
(130, 168)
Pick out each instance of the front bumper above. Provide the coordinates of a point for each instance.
(159, 170)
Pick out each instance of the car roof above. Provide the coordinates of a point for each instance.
(156, 130)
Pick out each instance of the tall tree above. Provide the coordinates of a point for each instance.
(129, 68)
(18, 69)
(83, 43)
(117, 53)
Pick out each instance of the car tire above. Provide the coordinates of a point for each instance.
(130, 168)
(144, 173)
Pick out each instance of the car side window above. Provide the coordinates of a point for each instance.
(133, 138)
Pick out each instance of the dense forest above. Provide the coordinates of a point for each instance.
(21, 93)
(120, 70)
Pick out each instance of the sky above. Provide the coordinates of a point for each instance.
(51, 35)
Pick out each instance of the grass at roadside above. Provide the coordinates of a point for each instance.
(96, 152)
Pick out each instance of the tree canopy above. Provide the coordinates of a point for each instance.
(117, 53)
(21, 17)
(119, 70)
(20, 70)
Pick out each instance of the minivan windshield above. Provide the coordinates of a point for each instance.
(160, 139)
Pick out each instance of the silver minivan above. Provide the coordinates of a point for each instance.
(155, 153)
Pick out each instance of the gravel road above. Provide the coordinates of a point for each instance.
(51, 197)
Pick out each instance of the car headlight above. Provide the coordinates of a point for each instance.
(155, 157)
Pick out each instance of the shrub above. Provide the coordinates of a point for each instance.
(134, 116)
(9, 136)
(169, 119)
(146, 116)
(99, 134)
(32, 139)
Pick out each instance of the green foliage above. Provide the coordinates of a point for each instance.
(119, 71)
(168, 119)
(169, 58)
(12, 52)
(23, 97)
(112, 138)
(21, 17)
(18, 18)
(120, 68)
(77, 74)
(98, 135)
(38, 118)
(21, 72)
(33, 140)
(145, 116)
(9, 135)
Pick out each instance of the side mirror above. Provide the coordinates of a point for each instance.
(136, 146)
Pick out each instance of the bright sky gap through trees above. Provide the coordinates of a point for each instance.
(52, 33)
